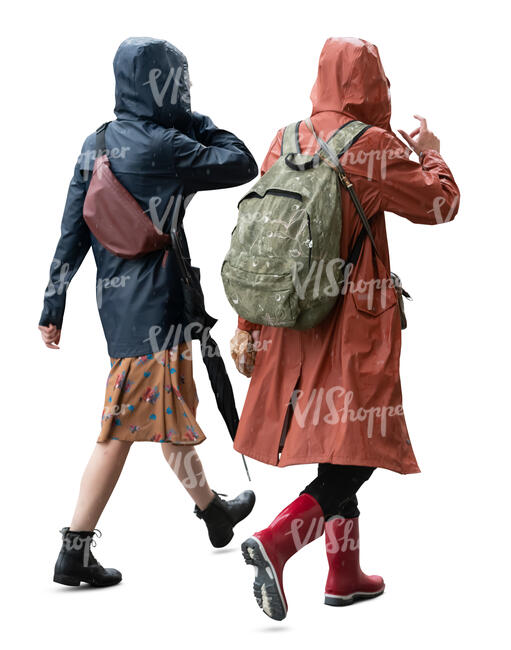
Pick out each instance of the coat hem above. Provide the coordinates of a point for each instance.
(335, 460)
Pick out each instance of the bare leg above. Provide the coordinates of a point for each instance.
(98, 481)
(186, 464)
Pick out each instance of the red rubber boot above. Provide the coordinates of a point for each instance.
(346, 582)
(269, 549)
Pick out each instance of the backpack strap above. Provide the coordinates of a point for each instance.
(100, 140)
(291, 139)
(348, 133)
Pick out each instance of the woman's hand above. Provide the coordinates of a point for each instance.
(242, 350)
(51, 336)
(425, 139)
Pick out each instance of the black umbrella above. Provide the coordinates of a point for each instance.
(194, 313)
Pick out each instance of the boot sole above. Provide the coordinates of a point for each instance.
(71, 581)
(267, 591)
(66, 580)
(342, 601)
(221, 543)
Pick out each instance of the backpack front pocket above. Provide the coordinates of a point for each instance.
(275, 224)
(261, 297)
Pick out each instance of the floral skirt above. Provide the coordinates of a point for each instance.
(152, 397)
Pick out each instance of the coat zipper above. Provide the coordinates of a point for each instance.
(310, 238)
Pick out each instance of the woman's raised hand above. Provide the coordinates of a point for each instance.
(424, 138)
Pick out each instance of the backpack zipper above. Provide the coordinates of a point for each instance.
(287, 193)
(275, 192)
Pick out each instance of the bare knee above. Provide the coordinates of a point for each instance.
(114, 448)
(170, 450)
(179, 455)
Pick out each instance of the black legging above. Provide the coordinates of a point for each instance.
(336, 486)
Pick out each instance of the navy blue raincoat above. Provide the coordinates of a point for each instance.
(163, 153)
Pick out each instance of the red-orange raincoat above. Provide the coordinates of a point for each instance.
(344, 373)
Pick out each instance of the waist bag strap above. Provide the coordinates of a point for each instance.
(100, 140)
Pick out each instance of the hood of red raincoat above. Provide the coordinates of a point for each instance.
(351, 81)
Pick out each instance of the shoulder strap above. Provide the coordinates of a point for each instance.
(331, 158)
(290, 139)
(346, 135)
(100, 140)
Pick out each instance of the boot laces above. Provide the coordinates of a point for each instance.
(85, 543)
(92, 542)
(98, 533)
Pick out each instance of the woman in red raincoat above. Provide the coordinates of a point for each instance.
(331, 394)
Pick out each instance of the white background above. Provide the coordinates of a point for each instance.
(440, 538)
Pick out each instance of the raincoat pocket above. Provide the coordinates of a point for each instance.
(374, 296)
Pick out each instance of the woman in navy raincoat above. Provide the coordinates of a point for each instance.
(162, 153)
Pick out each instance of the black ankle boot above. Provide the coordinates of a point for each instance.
(221, 516)
(76, 563)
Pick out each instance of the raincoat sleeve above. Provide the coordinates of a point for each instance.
(73, 245)
(215, 160)
(424, 193)
(271, 157)
(273, 152)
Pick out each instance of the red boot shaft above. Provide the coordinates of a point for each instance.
(268, 550)
(296, 526)
(346, 581)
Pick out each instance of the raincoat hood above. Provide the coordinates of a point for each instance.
(152, 82)
(351, 81)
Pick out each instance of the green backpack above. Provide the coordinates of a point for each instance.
(283, 268)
